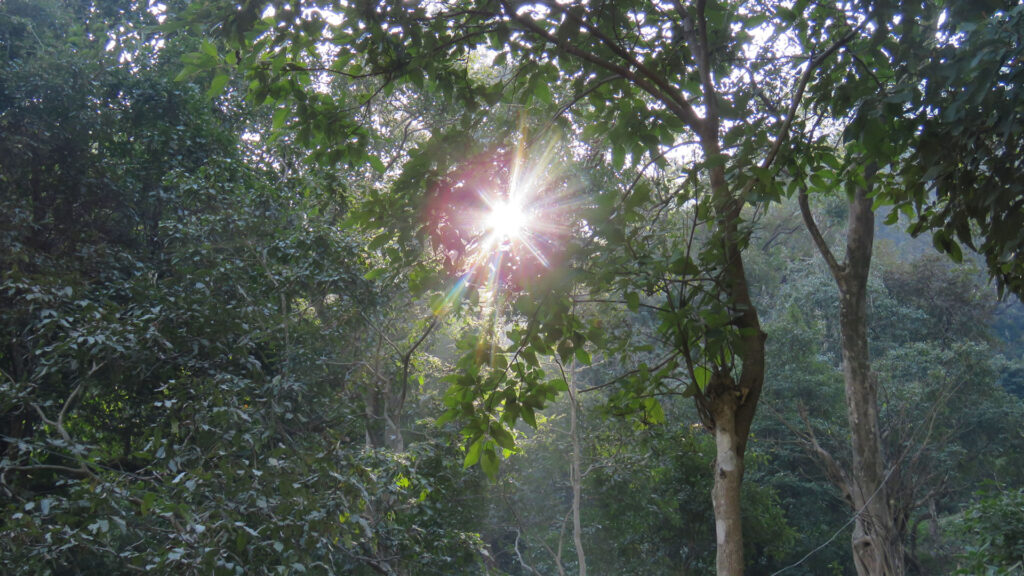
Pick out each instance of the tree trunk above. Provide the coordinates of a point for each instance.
(576, 476)
(877, 546)
(728, 404)
(726, 492)
(877, 542)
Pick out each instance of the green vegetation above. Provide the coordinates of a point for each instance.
(488, 287)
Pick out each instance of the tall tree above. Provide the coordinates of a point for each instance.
(878, 139)
(877, 536)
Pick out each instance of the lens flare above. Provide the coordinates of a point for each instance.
(500, 223)
(506, 220)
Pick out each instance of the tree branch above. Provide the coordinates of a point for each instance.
(689, 116)
(681, 108)
(696, 32)
(837, 269)
(834, 472)
(625, 375)
(565, 107)
(805, 78)
(408, 358)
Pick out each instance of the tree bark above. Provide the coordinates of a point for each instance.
(877, 540)
(576, 477)
(877, 546)
(725, 494)
(730, 404)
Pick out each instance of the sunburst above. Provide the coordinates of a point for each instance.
(506, 220)
(501, 221)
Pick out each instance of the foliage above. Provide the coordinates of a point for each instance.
(173, 322)
(964, 178)
(209, 309)
(993, 533)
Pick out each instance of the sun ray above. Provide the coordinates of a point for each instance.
(502, 222)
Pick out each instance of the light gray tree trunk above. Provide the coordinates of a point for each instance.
(576, 476)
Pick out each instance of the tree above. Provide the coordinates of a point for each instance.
(877, 538)
(173, 304)
(635, 80)
(877, 140)
(941, 414)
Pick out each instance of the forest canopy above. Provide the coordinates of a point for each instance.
(511, 288)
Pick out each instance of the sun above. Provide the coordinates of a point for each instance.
(500, 223)
(506, 220)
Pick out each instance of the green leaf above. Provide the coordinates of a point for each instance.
(529, 356)
(502, 436)
(618, 156)
(583, 356)
(653, 411)
(489, 462)
(185, 73)
(632, 301)
(945, 243)
(542, 92)
(445, 418)
(528, 416)
(208, 48)
(280, 116)
(217, 85)
(819, 182)
(702, 375)
(473, 454)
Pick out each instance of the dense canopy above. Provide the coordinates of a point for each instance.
(510, 288)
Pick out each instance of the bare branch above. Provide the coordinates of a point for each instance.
(625, 375)
(408, 358)
(837, 269)
(565, 107)
(582, 300)
(689, 116)
(834, 472)
(80, 471)
(519, 555)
